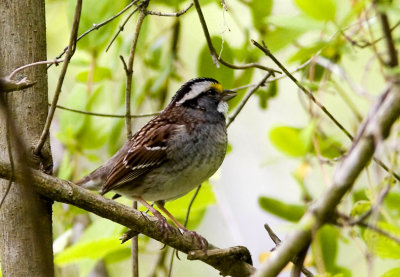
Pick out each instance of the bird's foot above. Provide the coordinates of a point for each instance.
(165, 227)
(199, 239)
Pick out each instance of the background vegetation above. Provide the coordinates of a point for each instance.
(283, 147)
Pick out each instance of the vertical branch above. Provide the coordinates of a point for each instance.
(128, 124)
(25, 216)
(135, 250)
(68, 56)
(129, 69)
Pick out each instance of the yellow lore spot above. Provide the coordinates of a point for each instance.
(218, 87)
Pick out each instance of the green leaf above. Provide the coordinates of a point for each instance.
(341, 271)
(175, 3)
(153, 55)
(118, 255)
(307, 52)
(96, 130)
(99, 74)
(329, 147)
(178, 207)
(67, 167)
(394, 272)
(360, 207)
(290, 212)
(114, 139)
(259, 10)
(228, 148)
(292, 141)
(298, 22)
(392, 201)
(206, 67)
(101, 228)
(93, 250)
(279, 38)
(243, 78)
(383, 246)
(320, 10)
(359, 195)
(327, 241)
(265, 95)
(72, 123)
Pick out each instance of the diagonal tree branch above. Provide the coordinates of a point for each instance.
(215, 57)
(67, 192)
(377, 127)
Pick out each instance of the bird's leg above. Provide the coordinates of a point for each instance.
(203, 242)
(160, 205)
(146, 211)
(164, 224)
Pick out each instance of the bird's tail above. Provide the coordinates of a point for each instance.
(94, 180)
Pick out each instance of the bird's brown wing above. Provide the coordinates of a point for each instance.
(148, 150)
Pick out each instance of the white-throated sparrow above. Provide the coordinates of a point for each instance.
(174, 152)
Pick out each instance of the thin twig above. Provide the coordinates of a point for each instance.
(184, 224)
(104, 114)
(175, 14)
(393, 60)
(160, 263)
(364, 44)
(377, 204)
(97, 26)
(56, 61)
(246, 98)
(214, 55)
(348, 221)
(303, 89)
(298, 265)
(70, 52)
(380, 231)
(190, 205)
(135, 249)
(129, 69)
(121, 28)
(278, 241)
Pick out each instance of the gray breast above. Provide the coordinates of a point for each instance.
(192, 158)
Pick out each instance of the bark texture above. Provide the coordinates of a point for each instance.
(25, 217)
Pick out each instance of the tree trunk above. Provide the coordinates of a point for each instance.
(25, 217)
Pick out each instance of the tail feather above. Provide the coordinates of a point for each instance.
(95, 180)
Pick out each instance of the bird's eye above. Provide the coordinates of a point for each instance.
(212, 92)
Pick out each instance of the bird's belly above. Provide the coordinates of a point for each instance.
(169, 184)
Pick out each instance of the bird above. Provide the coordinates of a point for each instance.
(173, 153)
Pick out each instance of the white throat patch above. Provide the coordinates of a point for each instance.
(222, 107)
(195, 90)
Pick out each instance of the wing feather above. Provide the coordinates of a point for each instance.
(148, 151)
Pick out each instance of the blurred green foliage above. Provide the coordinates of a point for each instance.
(283, 210)
(172, 50)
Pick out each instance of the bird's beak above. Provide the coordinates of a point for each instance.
(228, 95)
